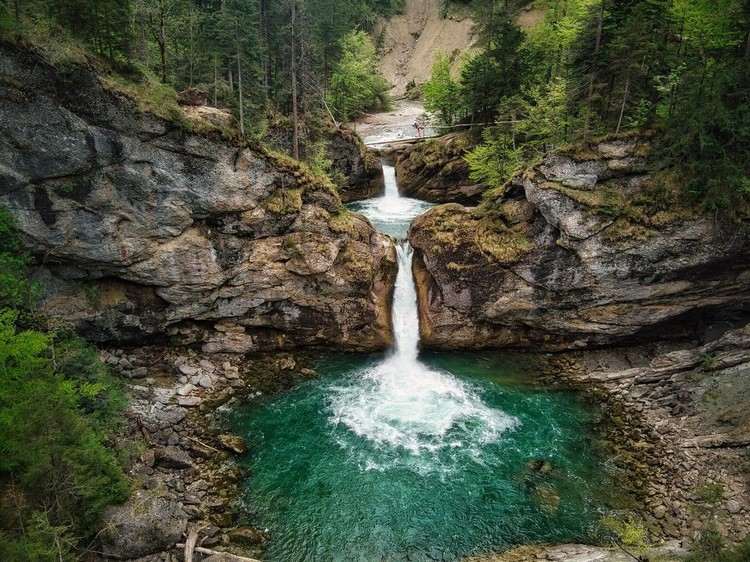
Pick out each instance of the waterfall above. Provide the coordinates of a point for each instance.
(401, 402)
(405, 313)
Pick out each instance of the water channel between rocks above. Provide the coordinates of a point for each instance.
(409, 456)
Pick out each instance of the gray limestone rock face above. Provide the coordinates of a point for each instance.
(144, 229)
(578, 252)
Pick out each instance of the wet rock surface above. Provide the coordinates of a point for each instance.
(588, 248)
(143, 229)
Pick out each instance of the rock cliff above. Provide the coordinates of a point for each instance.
(144, 227)
(590, 247)
(356, 169)
(436, 171)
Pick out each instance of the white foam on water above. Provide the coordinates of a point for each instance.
(391, 213)
(402, 403)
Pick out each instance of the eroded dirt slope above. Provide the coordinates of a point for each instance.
(411, 41)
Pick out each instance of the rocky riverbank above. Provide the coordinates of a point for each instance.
(182, 463)
(675, 426)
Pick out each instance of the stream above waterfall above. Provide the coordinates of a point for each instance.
(420, 456)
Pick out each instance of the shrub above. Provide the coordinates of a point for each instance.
(356, 85)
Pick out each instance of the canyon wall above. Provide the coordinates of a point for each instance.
(144, 228)
(593, 246)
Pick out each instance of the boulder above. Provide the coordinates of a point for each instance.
(146, 524)
(436, 171)
(192, 96)
(149, 230)
(233, 443)
(591, 247)
(173, 457)
(356, 169)
(248, 536)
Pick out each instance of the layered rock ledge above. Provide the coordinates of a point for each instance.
(591, 247)
(148, 228)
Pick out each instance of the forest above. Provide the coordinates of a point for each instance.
(592, 68)
(674, 70)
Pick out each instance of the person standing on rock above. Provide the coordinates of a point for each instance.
(418, 127)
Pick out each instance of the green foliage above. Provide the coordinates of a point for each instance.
(596, 67)
(441, 92)
(41, 542)
(157, 47)
(149, 93)
(58, 407)
(711, 547)
(540, 123)
(710, 494)
(628, 531)
(494, 74)
(496, 160)
(356, 85)
(15, 290)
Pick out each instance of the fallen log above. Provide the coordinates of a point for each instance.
(228, 555)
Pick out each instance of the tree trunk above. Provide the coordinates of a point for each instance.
(226, 555)
(295, 109)
(266, 49)
(141, 41)
(624, 103)
(162, 40)
(192, 43)
(592, 78)
(239, 84)
(216, 81)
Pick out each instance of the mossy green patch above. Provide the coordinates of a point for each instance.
(284, 201)
(451, 226)
(149, 94)
(504, 244)
(343, 222)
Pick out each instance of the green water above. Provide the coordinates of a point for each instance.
(456, 456)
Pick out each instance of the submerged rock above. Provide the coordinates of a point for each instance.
(233, 443)
(150, 230)
(587, 248)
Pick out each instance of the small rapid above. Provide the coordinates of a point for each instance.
(401, 402)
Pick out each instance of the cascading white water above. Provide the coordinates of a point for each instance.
(405, 313)
(401, 402)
